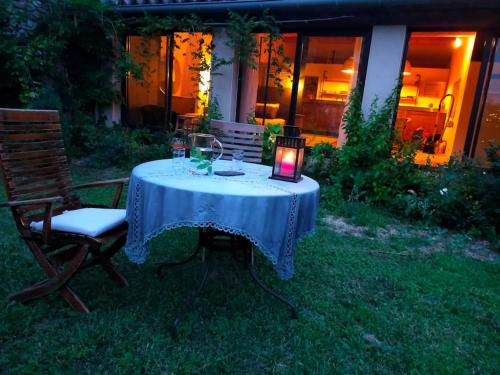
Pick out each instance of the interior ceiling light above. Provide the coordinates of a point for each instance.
(458, 42)
(407, 70)
(348, 66)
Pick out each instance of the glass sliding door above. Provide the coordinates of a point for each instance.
(267, 85)
(190, 83)
(146, 95)
(440, 76)
(185, 86)
(489, 130)
(328, 73)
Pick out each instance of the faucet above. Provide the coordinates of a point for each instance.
(433, 139)
(442, 100)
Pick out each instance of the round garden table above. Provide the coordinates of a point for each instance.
(271, 215)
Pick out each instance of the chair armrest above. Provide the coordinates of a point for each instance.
(29, 202)
(47, 217)
(119, 188)
(100, 183)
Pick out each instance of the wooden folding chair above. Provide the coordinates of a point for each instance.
(64, 235)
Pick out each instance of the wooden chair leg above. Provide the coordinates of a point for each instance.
(57, 279)
(73, 299)
(114, 274)
(104, 259)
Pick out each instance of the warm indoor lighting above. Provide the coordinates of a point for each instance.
(407, 70)
(348, 66)
(288, 155)
(458, 42)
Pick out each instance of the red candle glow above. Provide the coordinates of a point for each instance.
(288, 164)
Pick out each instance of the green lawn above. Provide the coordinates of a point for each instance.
(375, 296)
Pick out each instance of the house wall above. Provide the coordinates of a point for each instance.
(225, 83)
(384, 63)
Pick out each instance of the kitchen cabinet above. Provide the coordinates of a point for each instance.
(322, 116)
(410, 119)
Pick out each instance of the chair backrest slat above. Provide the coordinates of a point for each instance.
(238, 136)
(33, 161)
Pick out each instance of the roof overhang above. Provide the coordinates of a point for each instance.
(415, 13)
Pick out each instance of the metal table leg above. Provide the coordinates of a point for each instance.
(163, 265)
(192, 297)
(250, 264)
(209, 244)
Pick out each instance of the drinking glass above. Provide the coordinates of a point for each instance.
(178, 158)
(238, 160)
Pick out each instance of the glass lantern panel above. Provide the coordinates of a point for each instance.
(285, 161)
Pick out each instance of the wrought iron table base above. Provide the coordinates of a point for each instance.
(207, 243)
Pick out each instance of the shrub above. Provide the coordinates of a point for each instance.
(126, 148)
(322, 163)
(459, 195)
(374, 165)
(269, 138)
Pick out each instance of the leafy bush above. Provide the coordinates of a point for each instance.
(376, 167)
(374, 164)
(460, 195)
(126, 148)
(270, 133)
(322, 163)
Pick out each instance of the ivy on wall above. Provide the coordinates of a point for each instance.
(73, 59)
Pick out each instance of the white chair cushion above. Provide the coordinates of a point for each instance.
(88, 221)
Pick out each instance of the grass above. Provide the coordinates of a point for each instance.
(379, 297)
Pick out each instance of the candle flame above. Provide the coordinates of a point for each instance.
(289, 156)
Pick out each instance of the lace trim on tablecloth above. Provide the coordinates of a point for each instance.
(138, 251)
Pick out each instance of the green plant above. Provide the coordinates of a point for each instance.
(126, 148)
(374, 164)
(212, 113)
(269, 139)
(69, 60)
(322, 163)
(201, 161)
(242, 30)
(251, 118)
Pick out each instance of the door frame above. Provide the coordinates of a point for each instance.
(491, 45)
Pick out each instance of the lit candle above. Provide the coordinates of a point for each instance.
(288, 164)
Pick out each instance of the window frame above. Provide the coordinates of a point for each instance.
(365, 33)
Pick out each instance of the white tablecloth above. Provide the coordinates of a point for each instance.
(272, 214)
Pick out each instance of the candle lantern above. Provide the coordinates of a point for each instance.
(288, 155)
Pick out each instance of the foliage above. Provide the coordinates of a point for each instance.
(269, 139)
(322, 163)
(374, 164)
(376, 167)
(124, 147)
(362, 304)
(202, 162)
(212, 113)
(251, 119)
(70, 61)
(71, 49)
(242, 31)
(460, 195)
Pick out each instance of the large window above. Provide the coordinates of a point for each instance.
(439, 80)
(327, 73)
(490, 122)
(266, 88)
(148, 97)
